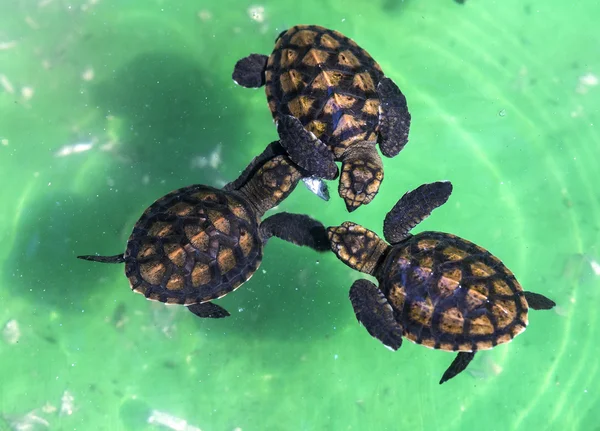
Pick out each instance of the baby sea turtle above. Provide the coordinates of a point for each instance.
(330, 100)
(435, 288)
(199, 243)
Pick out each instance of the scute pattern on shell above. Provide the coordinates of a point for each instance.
(452, 294)
(193, 245)
(326, 81)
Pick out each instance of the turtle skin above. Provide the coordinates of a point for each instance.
(193, 245)
(451, 294)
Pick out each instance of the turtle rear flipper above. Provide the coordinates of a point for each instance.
(394, 118)
(298, 229)
(414, 207)
(375, 313)
(250, 71)
(118, 258)
(538, 302)
(208, 310)
(305, 149)
(458, 365)
(362, 173)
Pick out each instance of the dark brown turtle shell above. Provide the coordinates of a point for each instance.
(326, 81)
(452, 294)
(193, 245)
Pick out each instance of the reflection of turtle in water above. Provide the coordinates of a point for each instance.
(435, 289)
(199, 243)
(332, 100)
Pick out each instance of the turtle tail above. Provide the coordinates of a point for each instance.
(119, 258)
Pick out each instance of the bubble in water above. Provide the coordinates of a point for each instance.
(502, 113)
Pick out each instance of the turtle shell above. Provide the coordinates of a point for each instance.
(326, 81)
(451, 294)
(193, 245)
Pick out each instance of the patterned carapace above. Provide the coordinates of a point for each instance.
(326, 81)
(452, 294)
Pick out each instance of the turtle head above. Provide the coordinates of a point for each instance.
(362, 173)
(356, 246)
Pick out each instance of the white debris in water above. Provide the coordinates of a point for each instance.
(79, 147)
(4, 142)
(66, 404)
(88, 74)
(31, 23)
(215, 157)
(27, 93)
(487, 368)
(204, 15)
(595, 266)
(577, 112)
(7, 45)
(257, 13)
(48, 408)
(170, 421)
(6, 84)
(589, 79)
(11, 332)
(29, 422)
(585, 82)
(561, 311)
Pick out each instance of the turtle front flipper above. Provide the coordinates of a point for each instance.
(298, 229)
(458, 365)
(305, 149)
(118, 258)
(394, 118)
(362, 173)
(208, 310)
(414, 207)
(538, 302)
(375, 313)
(250, 71)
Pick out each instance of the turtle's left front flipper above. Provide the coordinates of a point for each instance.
(298, 229)
(458, 365)
(118, 258)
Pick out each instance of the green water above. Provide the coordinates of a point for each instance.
(107, 105)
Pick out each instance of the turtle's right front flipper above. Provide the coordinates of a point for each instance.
(305, 149)
(375, 313)
(250, 71)
(118, 258)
